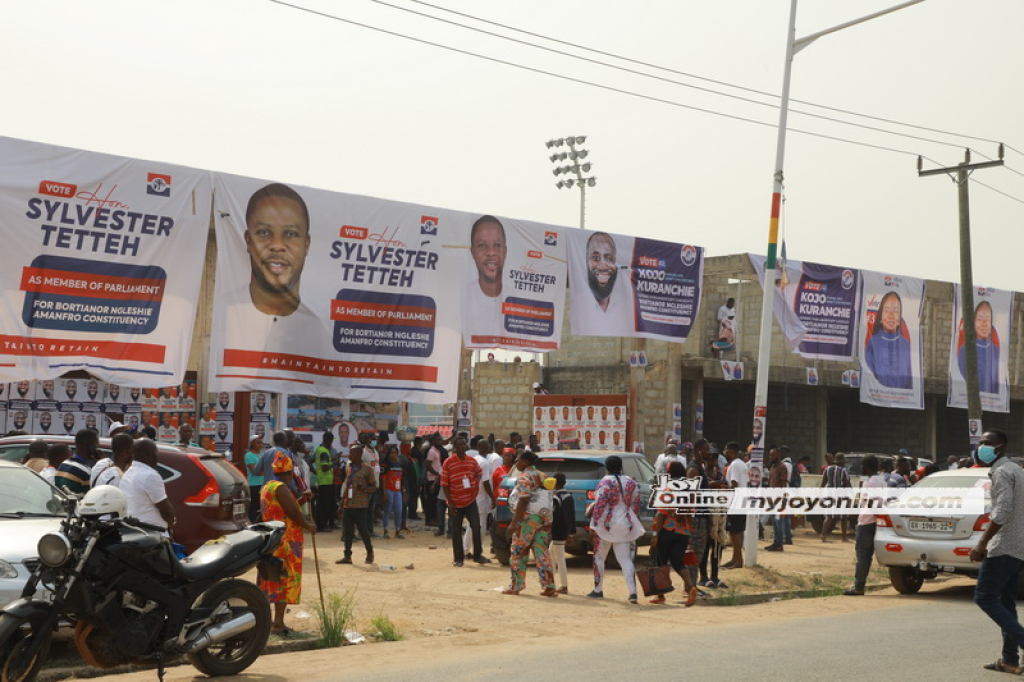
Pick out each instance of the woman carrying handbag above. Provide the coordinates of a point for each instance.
(671, 541)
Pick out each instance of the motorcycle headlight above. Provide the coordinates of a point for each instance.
(54, 549)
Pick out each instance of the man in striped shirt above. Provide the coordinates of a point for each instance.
(74, 474)
(460, 478)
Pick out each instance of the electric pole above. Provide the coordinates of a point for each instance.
(960, 174)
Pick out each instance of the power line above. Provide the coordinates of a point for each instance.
(644, 74)
(581, 81)
(691, 75)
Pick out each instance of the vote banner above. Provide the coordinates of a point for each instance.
(327, 294)
(890, 341)
(992, 326)
(633, 287)
(514, 284)
(109, 254)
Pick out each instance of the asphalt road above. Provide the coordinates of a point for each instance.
(937, 636)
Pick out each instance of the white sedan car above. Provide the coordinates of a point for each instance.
(918, 547)
(29, 508)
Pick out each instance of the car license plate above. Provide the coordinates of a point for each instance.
(931, 526)
(239, 509)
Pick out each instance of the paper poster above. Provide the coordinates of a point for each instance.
(104, 273)
(515, 285)
(633, 287)
(993, 310)
(327, 294)
(890, 341)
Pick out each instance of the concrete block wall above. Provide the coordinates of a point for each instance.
(503, 397)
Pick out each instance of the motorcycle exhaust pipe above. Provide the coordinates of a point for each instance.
(222, 631)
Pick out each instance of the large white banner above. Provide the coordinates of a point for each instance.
(514, 291)
(326, 294)
(634, 287)
(993, 309)
(890, 341)
(104, 256)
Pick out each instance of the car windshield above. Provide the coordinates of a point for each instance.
(23, 493)
(574, 469)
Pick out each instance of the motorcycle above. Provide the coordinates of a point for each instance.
(119, 583)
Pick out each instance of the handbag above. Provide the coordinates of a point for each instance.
(655, 581)
(690, 558)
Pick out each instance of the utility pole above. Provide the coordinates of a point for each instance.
(960, 174)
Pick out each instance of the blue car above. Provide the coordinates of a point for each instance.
(582, 469)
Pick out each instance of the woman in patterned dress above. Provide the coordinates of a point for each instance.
(615, 525)
(277, 503)
(530, 528)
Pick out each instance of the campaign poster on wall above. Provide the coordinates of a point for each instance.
(993, 311)
(327, 294)
(103, 271)
(595, 422)
(633, 287)
(515, 285)
(890, 341)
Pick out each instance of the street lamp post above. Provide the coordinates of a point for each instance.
(577, 166)
(764, 348)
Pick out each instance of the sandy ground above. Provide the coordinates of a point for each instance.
(442, 610)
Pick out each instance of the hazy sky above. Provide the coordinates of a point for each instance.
(266, 90)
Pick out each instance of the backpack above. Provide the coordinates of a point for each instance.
(795, 479)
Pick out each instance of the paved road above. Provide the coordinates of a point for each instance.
(933, 637)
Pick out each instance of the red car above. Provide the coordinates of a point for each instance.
(210, 496)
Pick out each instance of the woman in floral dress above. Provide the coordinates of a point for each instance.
(277, 503)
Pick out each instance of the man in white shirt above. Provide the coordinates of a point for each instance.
(866, 524)
(109, 470)
(144, 489)
(483, 317)
(737, 476)
(666, 458)
(609, 309)
(484, 496)
(727, 320)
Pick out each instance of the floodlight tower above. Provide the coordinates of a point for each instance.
(577, 167)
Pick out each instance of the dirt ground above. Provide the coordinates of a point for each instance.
(426, 596)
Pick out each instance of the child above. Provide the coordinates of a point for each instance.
(563, 525)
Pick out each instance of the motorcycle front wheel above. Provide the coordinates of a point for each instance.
(15, 637)
(237, 653)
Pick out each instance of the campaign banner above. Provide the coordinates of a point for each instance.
(327, 294)
(633, 287)
(515, 285)
(890, 341)
(993, 322)
(109, 262)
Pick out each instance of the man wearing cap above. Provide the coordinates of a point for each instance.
(670, 455)
(116, 428)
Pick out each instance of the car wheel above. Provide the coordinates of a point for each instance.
(499, 541)
(906, 579)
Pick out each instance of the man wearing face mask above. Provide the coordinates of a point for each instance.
(1001, 549)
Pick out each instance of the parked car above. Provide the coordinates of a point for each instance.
(29, 508)
(209, 495)
(583, 469)
(918, 548)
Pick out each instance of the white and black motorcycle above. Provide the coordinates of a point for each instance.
(129, 598)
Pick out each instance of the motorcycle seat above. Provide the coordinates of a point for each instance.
(210, 559)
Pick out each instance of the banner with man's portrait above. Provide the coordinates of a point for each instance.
(105, 259)
(633, 287)
(515, 284)
(326, 294)
(890, 341)
(993, 320)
